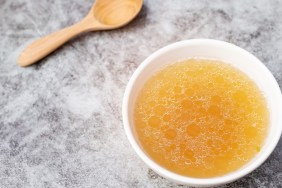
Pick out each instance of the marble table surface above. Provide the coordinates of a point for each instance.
(60, 120)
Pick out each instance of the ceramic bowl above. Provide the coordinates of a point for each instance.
(210, 49)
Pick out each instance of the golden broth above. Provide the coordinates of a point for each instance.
(201, 118)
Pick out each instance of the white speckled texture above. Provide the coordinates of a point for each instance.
(60, 120)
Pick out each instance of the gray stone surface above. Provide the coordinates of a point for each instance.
(60, 120)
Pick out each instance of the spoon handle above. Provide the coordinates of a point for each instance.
(44, 46)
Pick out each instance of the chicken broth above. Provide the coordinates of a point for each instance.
(201, 118)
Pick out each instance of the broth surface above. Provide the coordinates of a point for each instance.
(201, 118)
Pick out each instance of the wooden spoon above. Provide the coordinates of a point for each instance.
(104, 15)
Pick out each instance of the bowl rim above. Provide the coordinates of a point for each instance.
(230, 177)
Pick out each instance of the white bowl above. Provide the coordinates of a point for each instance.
(212, 49)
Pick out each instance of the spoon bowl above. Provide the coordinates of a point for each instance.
(104, 15)
(116, 13)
